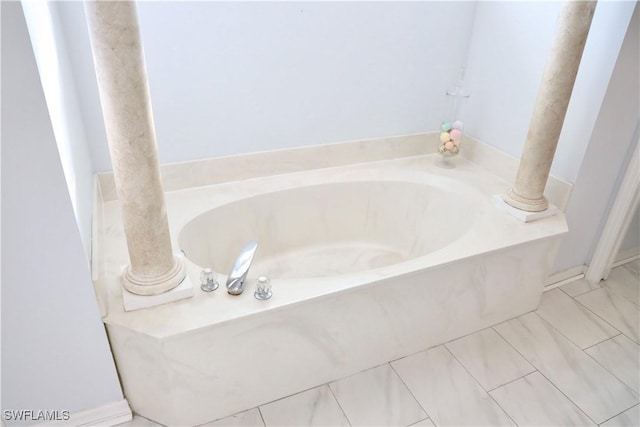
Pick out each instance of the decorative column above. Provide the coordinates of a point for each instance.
(551, 106)
(126, 105)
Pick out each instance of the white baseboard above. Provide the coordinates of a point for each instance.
(564, 277)
(107, 415)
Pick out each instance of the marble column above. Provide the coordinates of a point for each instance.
(551, 106)
(126, 106)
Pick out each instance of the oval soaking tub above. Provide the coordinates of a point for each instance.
(329, 229)
(368, 263)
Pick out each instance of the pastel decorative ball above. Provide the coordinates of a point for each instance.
(441, 149)
(446, 127)
(458, 125)
(449, 145)
(445, 136)
(456, 135)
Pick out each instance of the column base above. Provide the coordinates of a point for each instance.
(525, 204)
(136, 302)
(155, 285)
(522, 215)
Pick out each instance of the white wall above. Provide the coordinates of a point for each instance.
(610, 145)
(58, 81)
(55, 353)
(237, 77)
(510, 45)
(233, 77)
(631, 241)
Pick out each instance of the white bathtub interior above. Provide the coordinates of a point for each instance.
(332, 229)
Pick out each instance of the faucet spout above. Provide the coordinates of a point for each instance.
(240, 269)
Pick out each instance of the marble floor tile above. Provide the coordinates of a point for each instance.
(579, 287)
(629, 418)
(315, 407)
(616, 310)
(592, 388)
(573, 320)
(621, 357)
(633, 266)
(624, 283)
(424, 423)
(489, 358)
(446, 390)
(250, 418)
(139, 421)
(534, 401)
(377, 397)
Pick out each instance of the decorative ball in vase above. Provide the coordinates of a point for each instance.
(450, 139)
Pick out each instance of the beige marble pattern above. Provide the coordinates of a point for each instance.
(197, 173)
(534, 401)
(447, 392)
(489, 358)
(573, 320)
(316, 329)
(551, 104)
(592, 388)
(126, 105)
(492, 231)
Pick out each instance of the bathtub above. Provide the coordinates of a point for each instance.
(368, 263)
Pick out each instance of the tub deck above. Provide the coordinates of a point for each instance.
(495, 230)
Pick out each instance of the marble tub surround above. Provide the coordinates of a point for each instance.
(528, 396)
(419, 173)
(184, 175)
(551, 104)
(126, 105)
(197, 173)
(204, 358)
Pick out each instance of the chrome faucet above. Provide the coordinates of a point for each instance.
(238, 274)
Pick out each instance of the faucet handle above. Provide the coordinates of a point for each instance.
(208, 280)
(263, 288)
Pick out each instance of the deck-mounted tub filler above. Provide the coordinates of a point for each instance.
(373, 252)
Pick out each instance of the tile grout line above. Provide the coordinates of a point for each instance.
(580, 294)
(568, 398)
(608, 370)
(261, 416)
(411, 391)
(545, 377)
(514, 380)
(480, 385)
(604, 320)
(346, 417)
(617, 415)
(603, 341)
(592, 358)
(569, 339)
(590, 311)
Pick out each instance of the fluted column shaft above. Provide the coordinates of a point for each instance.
(126, 106)
(551, 106)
